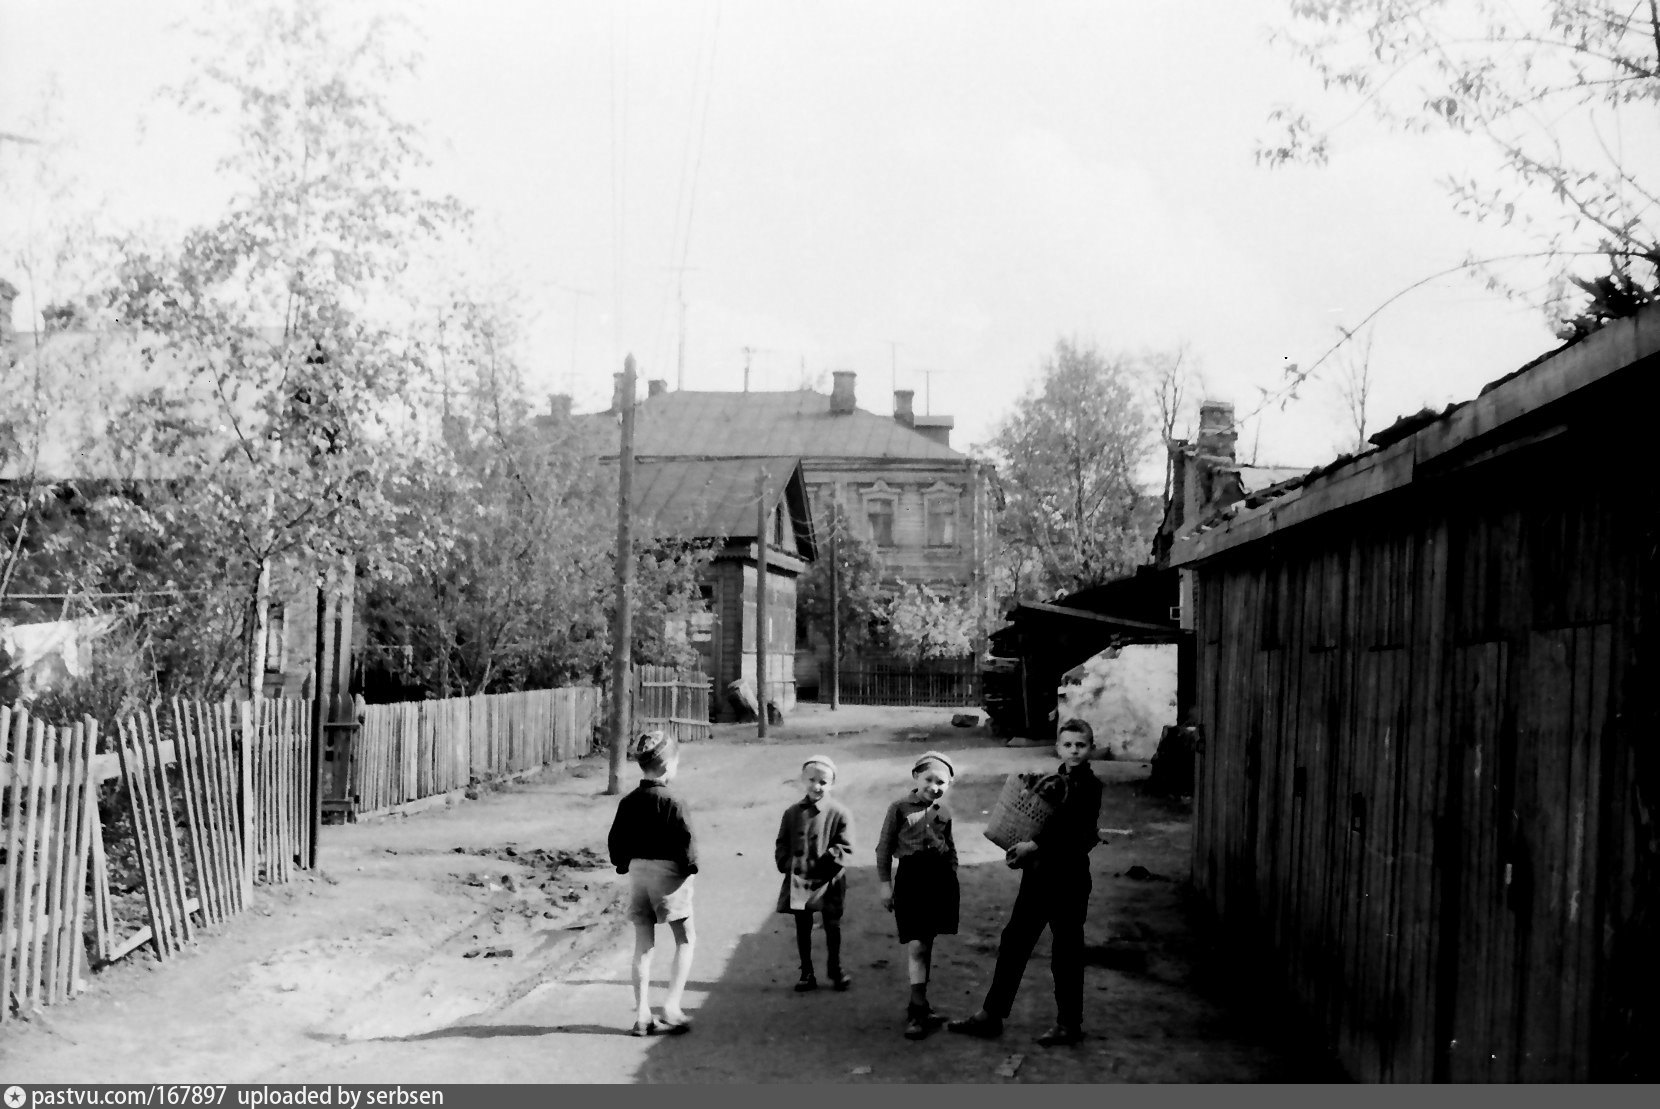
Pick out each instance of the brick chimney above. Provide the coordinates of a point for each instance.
(617, 392)
(1216, 431)
(841, 393)
(656, 387)
(559, 405)
(903, 412)
(8, 293)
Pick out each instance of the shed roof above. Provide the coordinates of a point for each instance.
(714, 498)
(1428, 444)
(797, 423)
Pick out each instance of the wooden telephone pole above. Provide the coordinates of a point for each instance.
(762, 528)
(622, 623)
(835, 603)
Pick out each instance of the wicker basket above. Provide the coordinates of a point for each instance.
(1018, 815)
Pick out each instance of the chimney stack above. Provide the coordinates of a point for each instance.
(1216, 431)
(656, 387)
(617, 392)
(841, 393)
(903, 412)
(559, 405)
(8, 293)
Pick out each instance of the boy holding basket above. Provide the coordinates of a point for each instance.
(1054, 892)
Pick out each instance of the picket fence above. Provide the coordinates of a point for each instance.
(216, 800)
(410, 750)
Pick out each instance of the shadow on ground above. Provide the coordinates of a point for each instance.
(1156, 1007)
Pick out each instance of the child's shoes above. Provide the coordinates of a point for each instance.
(808, 983)
(1061, 1035)
(919, 1021)
(980, 1024)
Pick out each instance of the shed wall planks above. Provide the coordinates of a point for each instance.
(1417, 777)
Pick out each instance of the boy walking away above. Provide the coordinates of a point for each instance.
(652, 842)
(921, 891)
(1054, 891)
(814, 841)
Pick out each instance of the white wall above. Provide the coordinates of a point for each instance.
(1127, 695)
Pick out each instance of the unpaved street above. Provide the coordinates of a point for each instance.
(479, 943)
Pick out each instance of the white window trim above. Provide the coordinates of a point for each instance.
(935, 493)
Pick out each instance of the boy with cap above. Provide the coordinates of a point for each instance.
(922, 892)
(652, 842)
(814, 841)
(1054, 891)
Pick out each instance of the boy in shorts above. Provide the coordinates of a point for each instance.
(652, 842)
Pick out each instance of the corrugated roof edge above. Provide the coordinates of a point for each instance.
(1350, 479)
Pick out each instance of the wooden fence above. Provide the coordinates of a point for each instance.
(414, 749)
(945, 685)
(677, 701)
(51, 814)
(215, 799)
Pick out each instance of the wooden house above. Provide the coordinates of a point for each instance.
(714, 500)
(1426, 781)
(923, 505)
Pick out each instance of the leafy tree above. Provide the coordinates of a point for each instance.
(514, 585)
(858, 587)
(923, 625)
(1550, 89)
(1067, 457)
(285, 362)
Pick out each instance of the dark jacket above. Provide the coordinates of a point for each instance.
(1068, 838)
(651, 824)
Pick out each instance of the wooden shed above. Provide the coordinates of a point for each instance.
(1427, 788)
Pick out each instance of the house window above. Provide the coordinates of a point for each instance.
(880, 514)
(274, 639)
(942, 522)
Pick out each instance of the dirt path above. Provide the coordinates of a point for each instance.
(480, 944)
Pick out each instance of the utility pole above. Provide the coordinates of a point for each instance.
(835, 600)
(762, 529)
(622, 624)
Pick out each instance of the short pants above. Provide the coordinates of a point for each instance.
(658, 892)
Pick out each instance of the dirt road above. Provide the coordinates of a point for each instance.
(482, 943)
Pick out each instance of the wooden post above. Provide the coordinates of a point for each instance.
(762, 528)
(319, 716)
(622, 625)
(835, 605)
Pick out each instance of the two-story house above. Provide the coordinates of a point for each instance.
(925, 506)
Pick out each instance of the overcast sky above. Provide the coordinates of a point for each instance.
(969, 181)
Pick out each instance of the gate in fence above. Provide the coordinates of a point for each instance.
(676, 701)
(184, 809)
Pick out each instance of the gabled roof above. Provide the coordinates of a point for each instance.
(714, 498)
(796, 423)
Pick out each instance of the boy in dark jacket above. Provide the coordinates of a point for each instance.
(651, 841)
(1054, 892)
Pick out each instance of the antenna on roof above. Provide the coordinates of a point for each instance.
(748, 351)
(928, 390)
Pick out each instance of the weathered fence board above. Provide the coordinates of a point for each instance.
(51, 816)
(675, 701)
